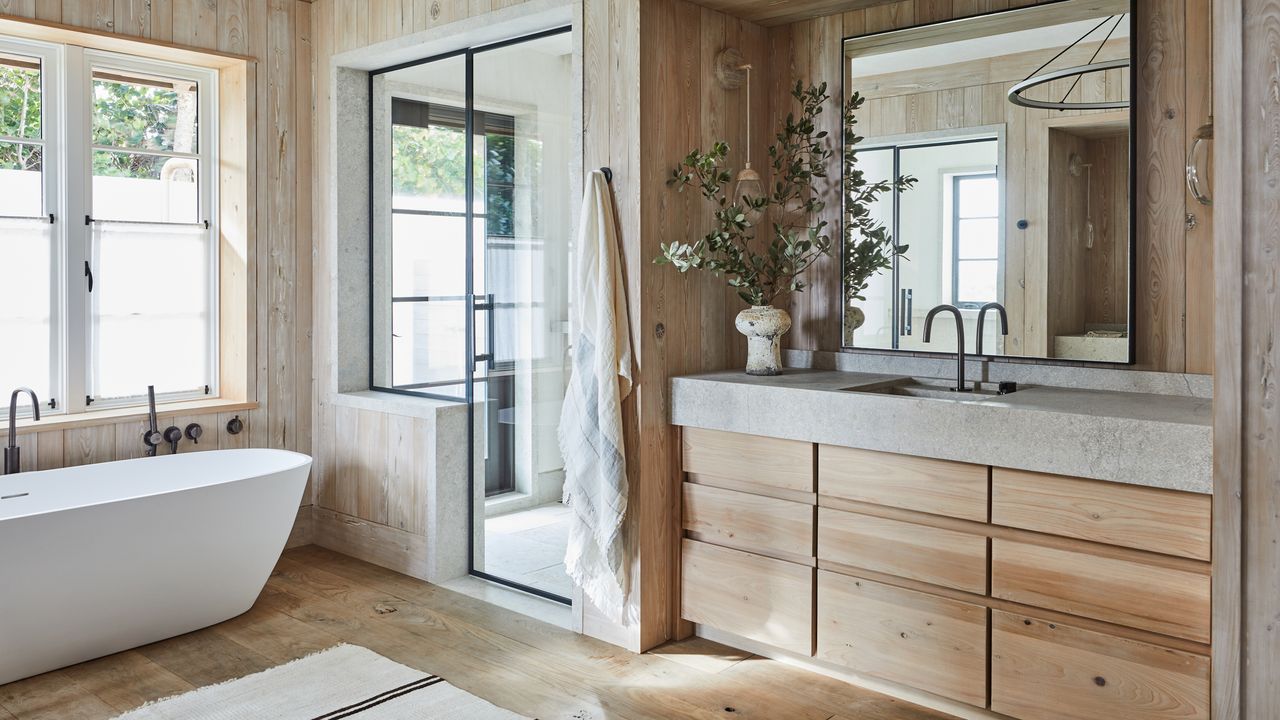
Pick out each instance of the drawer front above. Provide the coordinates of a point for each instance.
(1050, 671)
(749, 522)
(1126, 592)
(760, 598)
(933, 555)
(902, 481)
(935, 644)
(1163, 521)
(783, 464)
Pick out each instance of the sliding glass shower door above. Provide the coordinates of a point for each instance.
(481, 162)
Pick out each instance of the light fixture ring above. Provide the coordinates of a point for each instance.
(1016, 97)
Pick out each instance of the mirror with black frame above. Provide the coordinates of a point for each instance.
(1017, 130)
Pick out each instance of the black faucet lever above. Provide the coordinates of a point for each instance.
(982, 316)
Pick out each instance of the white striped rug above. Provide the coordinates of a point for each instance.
(345, 681)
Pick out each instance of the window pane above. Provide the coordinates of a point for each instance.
(151, 309)
(144, 113)
(428, 342)
(979, 238)
(20, 106)
(145, 188)
(21, 180)
(428, 172)
(25, 301)
(979, 197)
(977, 280)
(428, 255)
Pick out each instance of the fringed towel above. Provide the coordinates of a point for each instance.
(591, 420)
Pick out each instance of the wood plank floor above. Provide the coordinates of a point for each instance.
(318, 598)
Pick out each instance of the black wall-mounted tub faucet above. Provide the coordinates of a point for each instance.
(12, 453)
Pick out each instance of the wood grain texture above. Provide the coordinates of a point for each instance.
(939, 487)
(931, 643)
(1231, 371)
(1161, 521)
(1126, 592)
(769, 462)
(759, 524)
(1200, 239)
(749, 595)
(919, 552)
(1049, 671)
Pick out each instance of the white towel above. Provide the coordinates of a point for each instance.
(591, 419)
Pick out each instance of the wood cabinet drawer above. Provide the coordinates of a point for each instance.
(783, 464)
(760, 598)
(940, 487)
(749, 522)
(1050, 671)
(935, 644)
(933, 555)
(1163, 521)
(1165, 600)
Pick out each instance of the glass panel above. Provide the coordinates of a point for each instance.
(428, 253)
(878, 329)
(979, 238)
(21, 180)
(145, 188)
(428, 172)
(26, 293)
(524, 96)
(144, 113)
(429, 342)
(979, 197)
(20, 97)
(151, 309)
(977, 280)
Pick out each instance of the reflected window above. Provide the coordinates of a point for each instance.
(975, 237)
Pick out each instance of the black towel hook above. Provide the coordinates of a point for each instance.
(608, 174)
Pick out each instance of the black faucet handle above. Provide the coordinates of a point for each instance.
(173, 435)
(193, 432)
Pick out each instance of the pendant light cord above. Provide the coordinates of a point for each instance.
(748, 68)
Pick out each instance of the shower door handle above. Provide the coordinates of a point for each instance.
(484, 303)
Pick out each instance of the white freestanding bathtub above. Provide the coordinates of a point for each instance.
(102, 558)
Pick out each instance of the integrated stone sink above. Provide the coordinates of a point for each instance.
(922, 388)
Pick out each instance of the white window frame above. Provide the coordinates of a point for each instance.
(67, 126)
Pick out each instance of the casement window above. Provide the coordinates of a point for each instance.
(108, 259)
(975, 238)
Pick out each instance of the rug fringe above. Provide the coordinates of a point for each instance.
(201, 689)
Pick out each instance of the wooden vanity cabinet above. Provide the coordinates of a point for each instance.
(1031, 595)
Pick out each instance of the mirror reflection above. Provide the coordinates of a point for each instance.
(1016, 128)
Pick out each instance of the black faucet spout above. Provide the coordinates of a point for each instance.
(982, 316)
(12, 454)
(928, 334)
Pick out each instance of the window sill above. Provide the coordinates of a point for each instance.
(127, 414)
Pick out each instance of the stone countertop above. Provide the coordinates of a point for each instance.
(1163, 441)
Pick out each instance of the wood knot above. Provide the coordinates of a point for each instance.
(384, 609)
(1100, 681)
(435, 11)
(660, 330)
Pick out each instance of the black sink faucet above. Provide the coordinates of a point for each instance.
(12, 454)
(982, 316)
(928, 332)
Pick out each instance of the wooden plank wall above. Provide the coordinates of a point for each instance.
(276, 33)
(1174, 269)
(1246, 429)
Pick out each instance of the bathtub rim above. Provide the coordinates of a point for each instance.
(34, 477)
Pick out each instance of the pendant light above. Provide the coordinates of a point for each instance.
(732, 71)
(1017, 94)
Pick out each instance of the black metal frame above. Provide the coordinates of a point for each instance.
(472, 306)
(1135, 99)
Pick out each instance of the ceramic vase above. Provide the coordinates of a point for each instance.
(764, 326)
